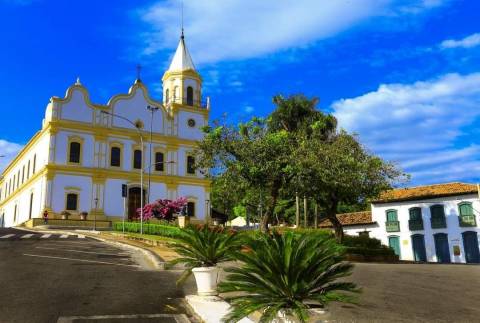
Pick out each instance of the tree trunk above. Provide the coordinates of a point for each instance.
(332, 216)
(269, 211)
(316, 216)
(297, 210)
(305, 221)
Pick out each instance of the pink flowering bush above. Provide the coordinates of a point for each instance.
(162, 209)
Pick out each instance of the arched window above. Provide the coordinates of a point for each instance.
(74, 156)
(392, 215)
(167, 96)
(191, 209)
(137, 159)
(159, 162)
(34, 163)
(392, 224)
(115, 154)
(190, 165)
(437, 217)
(466, 216)
(415, 222)
(190, 95)
(72, 202)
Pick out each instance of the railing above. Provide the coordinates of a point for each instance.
(467, 221)
(392, 226)
(438, 223)
(415, 225)
(189, 102)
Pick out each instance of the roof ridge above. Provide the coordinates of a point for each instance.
(436, 184)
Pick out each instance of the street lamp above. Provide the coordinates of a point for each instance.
(95, 215)
(152, 110)
(141, 167)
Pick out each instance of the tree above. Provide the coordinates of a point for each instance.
(340, 171)
(257, 157)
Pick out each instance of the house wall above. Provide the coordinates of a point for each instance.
(453, 229)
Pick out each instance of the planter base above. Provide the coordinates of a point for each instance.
(207, 279)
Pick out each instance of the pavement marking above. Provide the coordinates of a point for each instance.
(26, 236)
(81, 260)
(79, 251)
(64, 236)
(45, 236)
(80, 236)
(179, 318)
(6, 236)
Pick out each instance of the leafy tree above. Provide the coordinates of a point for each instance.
(286, 272)
(251, 153)
(340, 171)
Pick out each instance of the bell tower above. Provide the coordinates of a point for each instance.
(182, 84)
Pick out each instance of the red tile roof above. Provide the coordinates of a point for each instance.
(354, 218)
(426, 192)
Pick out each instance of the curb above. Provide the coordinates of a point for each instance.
(157, 262)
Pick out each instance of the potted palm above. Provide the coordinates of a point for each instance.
(83, 215)
(65, 215)
(201, 249)
(286, 277)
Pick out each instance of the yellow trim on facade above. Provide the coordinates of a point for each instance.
(25, 186)
(182, 74)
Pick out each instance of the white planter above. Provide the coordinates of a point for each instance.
(316, 315)
(207, 279)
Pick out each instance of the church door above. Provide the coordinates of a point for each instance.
(134, 202)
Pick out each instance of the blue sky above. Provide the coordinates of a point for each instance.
(403, 75)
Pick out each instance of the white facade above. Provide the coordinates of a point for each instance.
(459, 238)
(84, 152)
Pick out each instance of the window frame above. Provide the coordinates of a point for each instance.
(389, 211)
(187, 168)
(77, 200)
(190, 96)
(80, 142)
(157, 166)
(137, 149)
(118, 146)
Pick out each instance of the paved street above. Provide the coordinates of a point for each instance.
(73, 278)
(413, 293)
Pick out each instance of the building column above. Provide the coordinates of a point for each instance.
(172, 191)
(98, 192)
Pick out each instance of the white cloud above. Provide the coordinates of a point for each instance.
(239, 29)
(8, 150)
(467, 42)
(249, 109)
(425, 126)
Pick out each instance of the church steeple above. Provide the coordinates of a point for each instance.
(182, 60)
(181, 82)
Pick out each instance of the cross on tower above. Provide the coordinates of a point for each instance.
(139, 70)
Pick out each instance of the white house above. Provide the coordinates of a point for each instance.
(433, 223)
(85, 151)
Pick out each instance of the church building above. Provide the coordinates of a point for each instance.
(85, 152)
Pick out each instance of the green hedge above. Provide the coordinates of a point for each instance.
(155, 229)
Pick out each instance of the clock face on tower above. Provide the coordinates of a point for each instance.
(191, 123)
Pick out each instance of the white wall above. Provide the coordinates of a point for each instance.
(453, 229)
(81, 185)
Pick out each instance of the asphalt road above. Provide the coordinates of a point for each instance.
(413, 293)
(78, 279)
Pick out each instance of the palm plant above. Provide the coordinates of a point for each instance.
(201, 246)
(286, 273)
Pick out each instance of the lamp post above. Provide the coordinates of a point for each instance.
(152, 110)
(95, 215)
(141, 166)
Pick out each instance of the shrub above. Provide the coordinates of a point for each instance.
(154, 229)
(201, 246)
(286, 272)
(361, 241)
